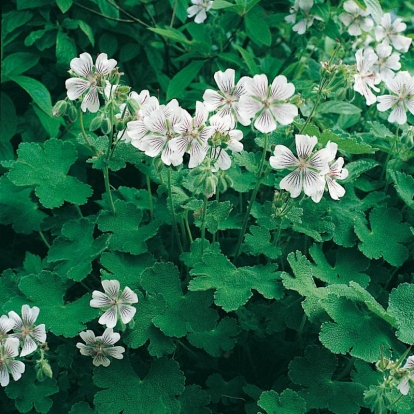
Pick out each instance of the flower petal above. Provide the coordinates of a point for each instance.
(115, 352)
(82, 65)
(103, 65)
(29, 346)
(29, 316)
(304, 145)
(127, 313)
(312, 182)
(265, 122)
(284, 113)
(225, 80)
(292, 183)
(109, 337)
(109, 318)
(76, 87)
(91, 101)
(88, 337)
(16, 368)
(100, 300)
(281, 89)
(111, 288)
(283, 158)
(128, 296)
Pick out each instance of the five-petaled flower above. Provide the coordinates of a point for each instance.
(92, 79)
(403, 88)
(356, 19)
(25, 329)
(309, 168)
(100, 347)
(302, 7)
(390, 33)
(9, 349)
(199, 9)
(115, 302)
(365, 78)
(267, 104)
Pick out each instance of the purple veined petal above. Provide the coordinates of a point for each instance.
(398, 26)
(76, 87)
(16, 369)
(29, 346)
(4, 375)
(137, 129)
(283, 158)
(111, 288)
(185, 125)
(223, 161)
(197, 153)
(317, 197)
(29, 316)
(101, 360)
(305, 145)
(312, 182)
(221, 123)
(336, 191)
(383, 50)
(39, 332)
(397, 84)
(11, 347)
(319, 161)
(410, 105)
(127, 312)
(85, 350)
(175, 118)
(150, 106)
(409, 363)
(100, 300)
(240, 89)
(212, 100)
(258, 87)
(242, 118)
(398, 114)
(400, 42)
(265, 122)
(103, 65)
(336, 170)
(293, 183)
(115, 352)
(157, 122)
(200, 16)
(403, 386)
(361, 87)
(6, 324)
(153, 144)
(249, 107)
(91, 101)
(386, 102)
(82, 65)
(109, 318)
(167, 155)
(281, 89)
(179, 145)
(141, 98)
(109, 337)
(332, 148)
(201, 114)
(128, 296)
(380, 33)
(88, 337)
(225, 80)
(393, 62)
(284, 113)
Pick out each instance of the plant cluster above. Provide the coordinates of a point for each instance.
(237, 176)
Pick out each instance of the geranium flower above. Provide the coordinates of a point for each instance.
(226, 101)
(310, 168)
(302, 7)
(387, 62)
(91, 78)
(268, 103)
(6, 325)
(199, 10)
(192, 136)
(404, 385)
(356, 19)
(335, 172)
(403, 88)
(25, 329)
(100, 347)
(8, 350)
(115, 302)
(390, 33)
(365, 79)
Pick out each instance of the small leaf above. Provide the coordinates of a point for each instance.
(18, 63)
(404, 184)
(64, 5)
(338, 107)
(248, 59)
(257, 28)
(183, 78)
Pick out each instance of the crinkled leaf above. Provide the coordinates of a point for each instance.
(404, 184)
(258, 242)
(194, 400)
(288, 402)
(216, 213)
(195, 254)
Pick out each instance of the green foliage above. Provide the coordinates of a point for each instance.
(288, 402)
(402, 310)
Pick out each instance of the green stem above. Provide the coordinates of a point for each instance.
(252, 198)
(85, 136)
(187, 226)
(105, 171)
(174, 221)
(384, 168)
(42, 236)
(203, 224)
(151, 203)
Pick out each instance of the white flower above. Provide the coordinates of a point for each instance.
(101, 347)
(309, 167)
(404, 385)
(356, 19)
(387, 62)
(335, 172)
(389, 32)
(91, 78)
(193, 136)
(117, 303)
(26, 331)
(226, 101)
(365, 79)
(403, 88)
(268, 103)
(6, 325)
(161, 132)
(302, 7)
(8, 350)
(223, 137)
(199, 9)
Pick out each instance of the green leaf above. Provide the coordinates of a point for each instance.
(51, 125)
(31, 4)
(183, 78)
(190, 312)
(257, 28)
(346, 143)
(222, 4)
(163, 383)
(87, 30)
(64, 5)
(258, 242)
(217, 212)
(248, 59)
(47, 290)
(128, 235)
(45, 167)
(172, 34)
(404, 184)
(233, 286)
(315, 372)
(18, 209)
(355, 330)
(9, 289)
(289, 402)
(31, 394)
(82, 408)
(65, 49)
(225, 391)
(8, 119)
(402, 309)
(17, 63)
(193, 400)
(75, 249)
(379, 241)
(13, 20)
(338, 107)
(108, 10)
(38, 92)
(218, 340)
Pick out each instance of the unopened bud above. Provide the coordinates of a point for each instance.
(106, 125)
(72, 114)
(133, 106)
(43, 370)
(120, 125)
(60, 108)
(122, 92)
(210, 185)
(95, 123)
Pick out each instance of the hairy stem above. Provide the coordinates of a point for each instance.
(174, 221)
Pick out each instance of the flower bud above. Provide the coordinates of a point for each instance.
(120, 125)
(122, 92)
(43, 370)
(133, 106)
(210, 185)
(60, 108)
(72, 114)
(95, 123)
(106, 125)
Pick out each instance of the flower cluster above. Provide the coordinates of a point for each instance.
(25, 336)
(116, 305)
(301, 16)
(199, 9)
(313, 171)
